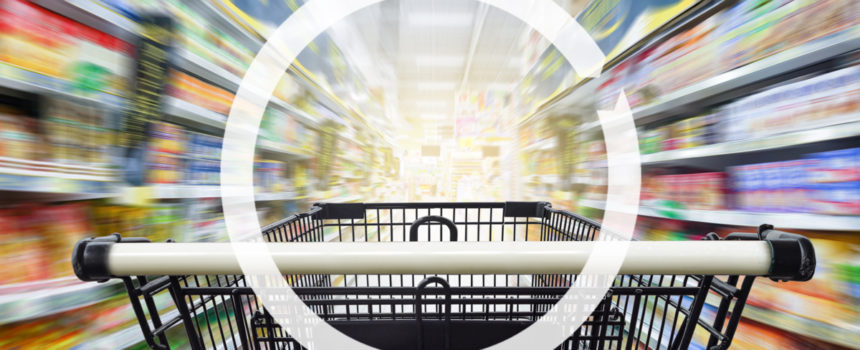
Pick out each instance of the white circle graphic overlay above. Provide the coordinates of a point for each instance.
(237, 188)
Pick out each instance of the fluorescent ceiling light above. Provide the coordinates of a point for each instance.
(440, 60)
(440, 19)
(436, 85)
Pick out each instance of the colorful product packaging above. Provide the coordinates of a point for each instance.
(835, 166)
(167, 138)
(840, 198)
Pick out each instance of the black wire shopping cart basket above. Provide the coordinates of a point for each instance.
(408, 304)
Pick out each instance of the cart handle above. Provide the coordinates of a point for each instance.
(413, 230)
(801, 264)
(775, 256)
(419, 309)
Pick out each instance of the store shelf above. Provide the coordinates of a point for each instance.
(299, 114)
(586, 180)
(784, 62)
(341, 199)
(124, 338)
(770, 67)
(207, 9)
(32, 300)
(595, 164)
(291, 152)
(184, 112)
(53, 181)
(545, 144)
(186, 191)
(221, 77)
(805, 327)
(56, 88)
(144, 194)
(132, 335)
(280, 196)
(201, 67)
(801, 221)
(828, 133)
(545, 179)
(94, 14)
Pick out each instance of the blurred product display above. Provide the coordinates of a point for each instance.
(743, 117)
(747, 112)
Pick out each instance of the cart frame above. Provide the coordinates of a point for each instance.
(462, 311)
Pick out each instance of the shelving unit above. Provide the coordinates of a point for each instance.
(55, 182)
(829, 133)
(98, 99)
(722, 87)
(808, 328)
(185, 112)
(774, 66)
(31, 300)
(699, 146)
(288, 151)
(799, 221)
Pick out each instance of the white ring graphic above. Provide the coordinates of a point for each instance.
(237, 190)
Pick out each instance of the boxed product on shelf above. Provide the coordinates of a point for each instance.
(206, 221)
(686, 133)
(834, 180)
(746, 32)
(822, 183)
(158, 222)
(824, 100)
(771, 187)
(280, 127)
(75, 133)
(167, 138)
(36, 240)
(47, 49)
(71, 329)
(835, 166)
(63, 226)
(164, 168)
(19, 137)
(842, 198)
(22, 251)
(204, 146)
(195, 91)
(203, 172)
(650, 141)
(269, 176)
(207, 40)
(702, 191)
(204, 154)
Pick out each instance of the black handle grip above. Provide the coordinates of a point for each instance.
(413, 230)
(89, 256)
(419, 309)
(793, 254)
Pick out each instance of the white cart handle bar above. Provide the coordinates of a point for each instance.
(775, 254)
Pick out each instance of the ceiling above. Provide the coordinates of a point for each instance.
(420, 53)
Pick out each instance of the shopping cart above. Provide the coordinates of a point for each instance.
(487, 292)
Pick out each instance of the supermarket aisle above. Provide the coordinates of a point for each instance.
(112, 115)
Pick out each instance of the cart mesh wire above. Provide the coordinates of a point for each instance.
(442, 311)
